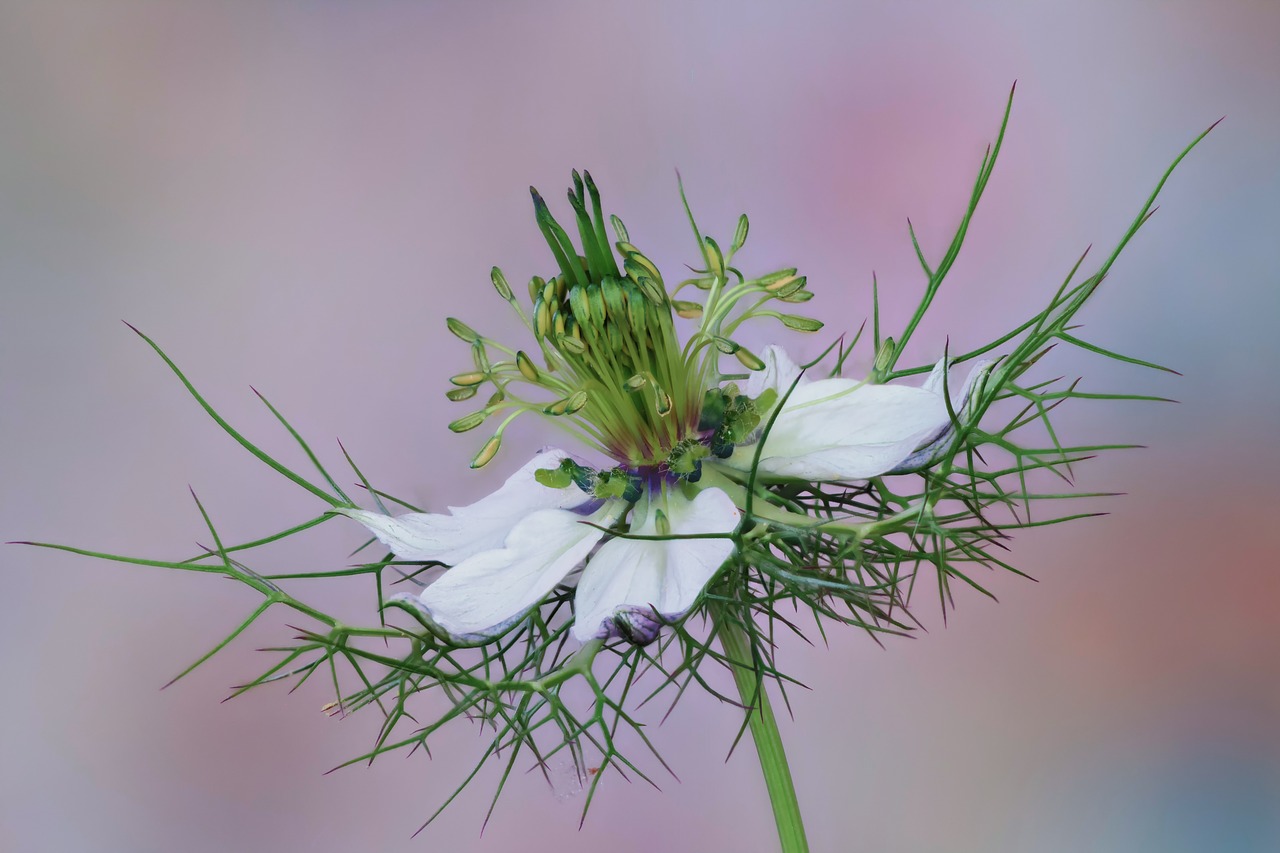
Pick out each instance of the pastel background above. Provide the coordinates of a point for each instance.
(295, 195)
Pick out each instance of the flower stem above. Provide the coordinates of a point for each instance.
(764, 731)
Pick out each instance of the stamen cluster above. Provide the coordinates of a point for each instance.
(610, 358)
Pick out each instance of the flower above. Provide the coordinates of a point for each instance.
(513, 547)
(643, 539)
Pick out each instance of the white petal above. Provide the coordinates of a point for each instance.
(838, 429)
(467, 530)
(936, 444)
(936, 378)
(489, 590)
(630, 583)
(779, 372)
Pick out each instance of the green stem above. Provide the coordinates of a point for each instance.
(764, 731)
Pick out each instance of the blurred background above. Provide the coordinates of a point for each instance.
(295, 195)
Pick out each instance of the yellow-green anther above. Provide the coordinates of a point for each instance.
(794, 285)
(726, 346)
(701, 282)
(480, 357)
(571, 344)
(780, 283)
(800, 324)
(661, 522)
(486, 454)
(774, 277)
(637, 264)
(541, 318)
(749, 360)
(466, 380)
(580, 304)
(576, 402)
(688, 310)
(619, 229)
(560, 407)
(500, 284)
(536, 287)
(614, 298)
(715, 257)
(662, 401)
(559, 323)
(798, 296)
(596, 299)
(459, 394)
(469, 422)
(636, 313)
(740, 235)
(496, 398)
(885, 355)
(651, 290)
(527, 368)
(635, 383)
(616, 341)
(462, 330)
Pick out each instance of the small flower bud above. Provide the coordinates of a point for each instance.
(568, 343)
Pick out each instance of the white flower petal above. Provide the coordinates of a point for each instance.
(839, 429)
(933, 446)
(779, 372)
(631, 585)
(453, 537)
(488, 591)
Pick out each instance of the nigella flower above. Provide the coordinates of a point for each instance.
(643, 538)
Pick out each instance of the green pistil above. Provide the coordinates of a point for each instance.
(613, 336)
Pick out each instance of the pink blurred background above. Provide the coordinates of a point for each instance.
(295, 195)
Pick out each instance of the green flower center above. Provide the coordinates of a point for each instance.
(608, 356)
